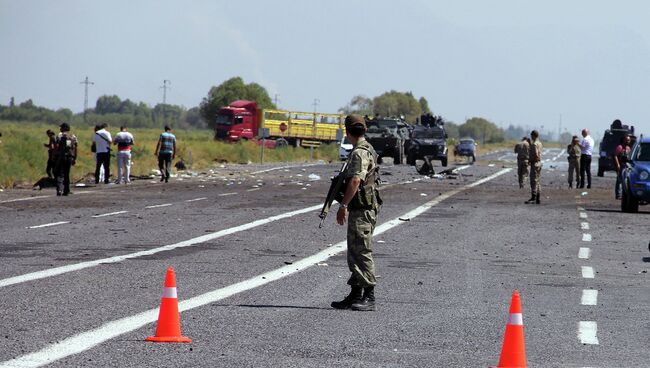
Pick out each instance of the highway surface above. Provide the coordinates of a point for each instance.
(82, 276)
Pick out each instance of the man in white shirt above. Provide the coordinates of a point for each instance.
(103, 142)
(586, 149)
(124, 141)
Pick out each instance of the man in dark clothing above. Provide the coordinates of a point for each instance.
(49, 169)
(65, 154)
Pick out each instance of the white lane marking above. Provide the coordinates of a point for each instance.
(48, 225)
(110, 214)
(584, 226)
(283, 167)
(227, 194)
(25, 199)
(86, 340)
(586, 237)
(587, 332)
(159, 205)
(583, 215)
(253, 189)
(196, 199)
(584, 253)
(589, 297)
(581, 209)
(587, 272)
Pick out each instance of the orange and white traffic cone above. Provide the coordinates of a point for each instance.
(169, 319)
(513, 352)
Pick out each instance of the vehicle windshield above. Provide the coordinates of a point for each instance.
(466, 141)
(381, 124)
(643, 152)
(428, 133)
(224, 119)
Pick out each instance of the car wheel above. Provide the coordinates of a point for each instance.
(624, 204)
(633, 204)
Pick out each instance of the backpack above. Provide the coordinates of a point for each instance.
(65, 146)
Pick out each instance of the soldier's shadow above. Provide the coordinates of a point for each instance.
(270, 306)
(609, 210)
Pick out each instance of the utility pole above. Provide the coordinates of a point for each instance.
(164, 88)
(275, 100)
(86, 82)
(559, 129)
(315, 104)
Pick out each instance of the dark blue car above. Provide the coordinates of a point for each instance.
(466, 147)
(636, 177)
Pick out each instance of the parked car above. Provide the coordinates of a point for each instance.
(636, 177)
(344, 149)
(466, 147)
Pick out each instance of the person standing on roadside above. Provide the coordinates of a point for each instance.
(65, 154)
(521, 149)
(166, 152)
(586, 148)
(535, 159)
(359, 207)
(103, 142)
(124, 141)
(620, 158)
(49, 169)
(573, 150)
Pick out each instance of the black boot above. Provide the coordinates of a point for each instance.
(353, 297)
(367, 304)
(537, 199)
(531, 200)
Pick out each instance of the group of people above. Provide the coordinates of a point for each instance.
(580, 152)
(62, 155)
(529, 154)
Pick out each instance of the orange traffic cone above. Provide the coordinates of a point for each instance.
(169, 320)
(513, 352)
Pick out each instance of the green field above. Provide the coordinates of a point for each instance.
(23, 157)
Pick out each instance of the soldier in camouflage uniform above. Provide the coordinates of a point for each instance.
(574, 160)
(521, 149)
(535, 160)
(360, 206)
(65, 155)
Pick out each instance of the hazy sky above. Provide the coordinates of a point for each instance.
(513, 62)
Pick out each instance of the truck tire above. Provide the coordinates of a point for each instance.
(410, 159)
(444, 162)
(398, 159)
(281, 143)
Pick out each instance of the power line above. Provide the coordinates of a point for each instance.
(86, 82)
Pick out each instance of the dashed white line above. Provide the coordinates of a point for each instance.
(283, 167)
(48, 225)
(583, 215)
(253, 189)
(110, 214)
(159, 205)
(226, 194)
(89, 339)
(589, 297)
(581, 209)
(588, 332)
(196, 199)
(584, 253)
(586, 237)
(25, 199)
(584, 226)
(587, 272)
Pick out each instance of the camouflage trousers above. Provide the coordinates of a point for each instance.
(361, 225)
(574, 168)
(535, 174)
(522, 172)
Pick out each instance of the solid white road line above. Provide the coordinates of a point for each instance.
(159, 205)
(196, 199)
(584, 253)
(110, 214)
(283, 167)
(583, 215)
(584, 226)
(587, 272)
(25, 199)
(589, 297)
(586, 237)
(48, 225)
(588, 332)
(86, 340)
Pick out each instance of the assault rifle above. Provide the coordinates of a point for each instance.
(335, 188)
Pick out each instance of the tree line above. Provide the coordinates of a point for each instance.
(114, 111)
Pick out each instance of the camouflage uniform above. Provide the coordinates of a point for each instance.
(535, 159)
(574, 163)
(521, 149)
(361, 221)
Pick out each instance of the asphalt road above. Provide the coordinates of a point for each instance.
(82, 276)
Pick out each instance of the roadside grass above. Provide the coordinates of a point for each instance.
(23, 157)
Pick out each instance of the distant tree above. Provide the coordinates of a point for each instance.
(127, 107)
(29, 104)
(231, 90)
(193, 118)
(424, 105)
(395, 103)
(359, 104)
(481, 130)
(108, 105)
(452, 130)
(12, 102)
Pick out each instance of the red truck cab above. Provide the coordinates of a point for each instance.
(239, 120)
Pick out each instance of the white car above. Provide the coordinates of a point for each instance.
(344, 149)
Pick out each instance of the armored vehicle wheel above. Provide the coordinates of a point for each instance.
(444, 162)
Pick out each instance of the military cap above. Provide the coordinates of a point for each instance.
(354, 121)
(65, 127)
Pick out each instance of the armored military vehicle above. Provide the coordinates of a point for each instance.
(388, 136)
(428, 141)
